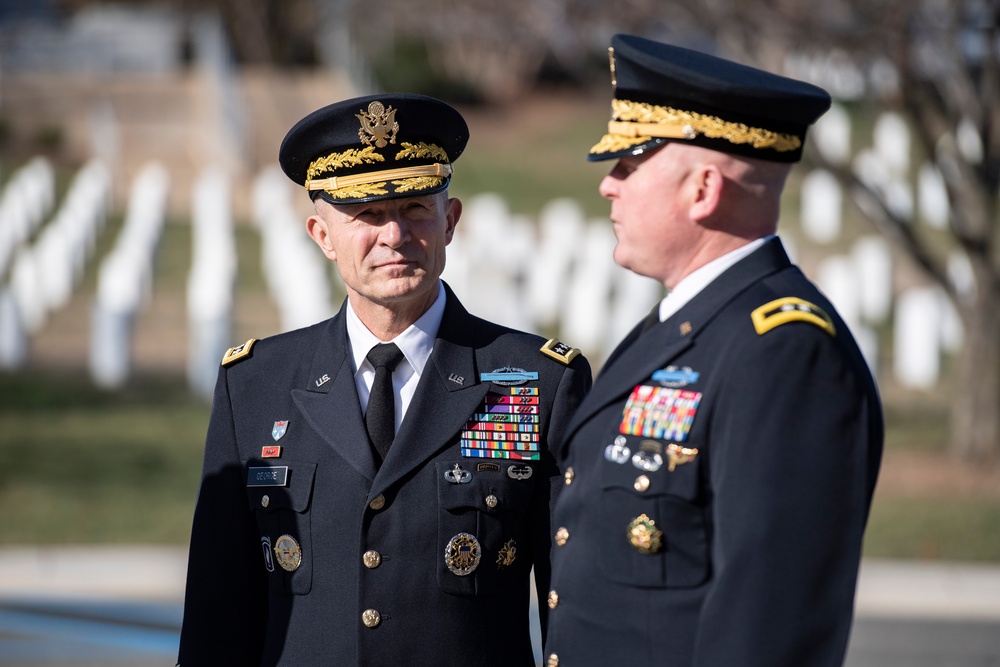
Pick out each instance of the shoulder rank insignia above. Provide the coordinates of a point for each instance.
(561, 352)
(790, 309)
(238, 353)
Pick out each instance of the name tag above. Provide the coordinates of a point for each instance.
(268, 476)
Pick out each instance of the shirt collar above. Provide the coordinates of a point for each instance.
(416, 342)
(693, 283)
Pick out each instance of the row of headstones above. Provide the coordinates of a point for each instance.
(559, 275)
(125, 279)
(46, 262)
(555, 275)
(885, 168)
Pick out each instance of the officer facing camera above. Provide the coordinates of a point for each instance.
(377, 487)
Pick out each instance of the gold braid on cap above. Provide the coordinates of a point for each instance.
(421, 177)
(338, 182)
(636, 122)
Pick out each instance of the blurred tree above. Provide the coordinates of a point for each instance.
(937, 64)
(279, 32)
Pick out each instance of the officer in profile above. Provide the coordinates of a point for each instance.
(377, 487)
(721, 469)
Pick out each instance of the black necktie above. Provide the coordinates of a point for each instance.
(380, 418)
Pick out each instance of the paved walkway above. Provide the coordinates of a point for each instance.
(121, 605)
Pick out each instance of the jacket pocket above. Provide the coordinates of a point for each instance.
(482, 534)
(654, 538)
(281, 498)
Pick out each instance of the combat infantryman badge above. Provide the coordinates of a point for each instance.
(462, 554)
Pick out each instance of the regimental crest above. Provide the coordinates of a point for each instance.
(644, 536)
(378, 126)
(279, 429)
(462, 554)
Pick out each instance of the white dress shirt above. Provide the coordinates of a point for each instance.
(693, 283)
(416, 344)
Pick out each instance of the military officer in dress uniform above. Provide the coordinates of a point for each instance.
(377, 487)
(721, 469)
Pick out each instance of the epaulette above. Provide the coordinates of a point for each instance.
(561, 352)
(790, 309)
(238, 353)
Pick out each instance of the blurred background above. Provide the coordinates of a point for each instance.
(145, 228)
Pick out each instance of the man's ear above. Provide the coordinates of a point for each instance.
(452, 216)
(707, 185)
(319, 232)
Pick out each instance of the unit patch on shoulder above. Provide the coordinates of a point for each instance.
(790, 309)
(561, 352)
(238, 353)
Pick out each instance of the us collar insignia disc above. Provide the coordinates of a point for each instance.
(507, 554)
(287, 553)
(462, 554)
(508, 376)
(644, 536)
(279, 429)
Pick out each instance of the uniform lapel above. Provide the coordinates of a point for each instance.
(656, 347)
(448, 393)
(330, 400)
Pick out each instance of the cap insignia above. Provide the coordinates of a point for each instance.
(378, 126)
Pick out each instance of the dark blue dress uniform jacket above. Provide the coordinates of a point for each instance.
(761, 529)
(242, 609)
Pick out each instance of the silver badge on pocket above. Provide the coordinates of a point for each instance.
(462, 554)
(617, 452)
(458, 476)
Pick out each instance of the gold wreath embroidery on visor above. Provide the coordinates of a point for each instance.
(422, 150)
(693, 123)
(611, 143)
(378, 125)
(349, 158)
(412, 184)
